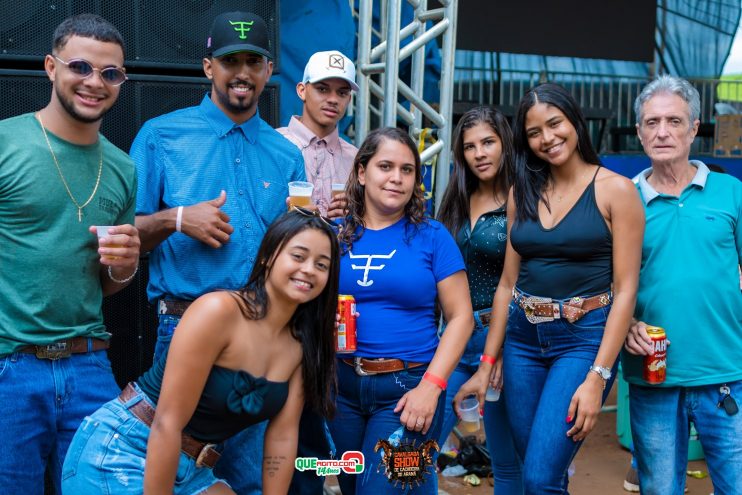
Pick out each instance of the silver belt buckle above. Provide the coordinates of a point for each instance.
(359, 369)
(54, 351)
(529, 308)
(202, 455)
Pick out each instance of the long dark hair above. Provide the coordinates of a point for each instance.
(533, 174)
(455, 210)
(355, 192)
(313, 323)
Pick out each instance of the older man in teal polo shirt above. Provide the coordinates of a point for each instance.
(689, 285)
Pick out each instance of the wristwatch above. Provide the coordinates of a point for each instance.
(603, 372)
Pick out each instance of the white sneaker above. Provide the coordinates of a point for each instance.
(631, 482)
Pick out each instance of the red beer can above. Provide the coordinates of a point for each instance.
(345, 333)
(655, 364)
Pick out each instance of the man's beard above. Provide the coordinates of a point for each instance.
(242, 105)
(69, 107)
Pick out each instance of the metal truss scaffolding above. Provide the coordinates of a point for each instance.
(384, 95)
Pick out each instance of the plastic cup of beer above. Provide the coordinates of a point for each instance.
(469, 411)
(337, 188)
(102, 231)
(300, 193)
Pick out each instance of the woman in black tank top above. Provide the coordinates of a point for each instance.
(568, 288)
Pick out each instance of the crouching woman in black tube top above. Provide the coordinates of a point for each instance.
(567, 290)
(238, 358)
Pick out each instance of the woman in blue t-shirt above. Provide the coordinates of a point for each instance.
(396, 263)
(473, 210)
(568, 288)
(238, 358)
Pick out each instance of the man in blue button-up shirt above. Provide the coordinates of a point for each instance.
(212, 178)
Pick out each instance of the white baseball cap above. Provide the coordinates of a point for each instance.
(328, 65)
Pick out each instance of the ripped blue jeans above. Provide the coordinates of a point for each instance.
(365, 414)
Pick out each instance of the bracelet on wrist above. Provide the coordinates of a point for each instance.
(435, 380)
(179, 219)
(124, 280)
(486, 358)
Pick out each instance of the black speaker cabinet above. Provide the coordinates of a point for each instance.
(132, 322)
(158, 33)
(142, 97)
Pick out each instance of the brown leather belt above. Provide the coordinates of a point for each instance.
(65, 348)
(175, 307)
(204, 453)
(365, 366)
(542, 309)
(485, 318)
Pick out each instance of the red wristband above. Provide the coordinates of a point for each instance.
(488, 359)
(436, 380)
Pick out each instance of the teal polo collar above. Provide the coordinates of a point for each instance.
(649, 193)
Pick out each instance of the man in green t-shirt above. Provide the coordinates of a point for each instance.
(59, 178)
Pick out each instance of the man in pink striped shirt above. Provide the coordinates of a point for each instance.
(325, 89)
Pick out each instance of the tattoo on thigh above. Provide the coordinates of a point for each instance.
(271, 464)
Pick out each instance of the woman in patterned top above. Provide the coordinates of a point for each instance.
(473, 210)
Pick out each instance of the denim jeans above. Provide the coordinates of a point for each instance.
(545, 363)
(108, 452)
(660, 419)
(506, 466)
(365, 414)
(43, 403)
(241, 463)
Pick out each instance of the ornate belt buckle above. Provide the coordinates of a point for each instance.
(201, 459)
(529, 307)
(359, 368)
(54, 351)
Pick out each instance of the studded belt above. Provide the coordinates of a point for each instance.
(543, 309)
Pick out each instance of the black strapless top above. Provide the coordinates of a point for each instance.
(230, 402)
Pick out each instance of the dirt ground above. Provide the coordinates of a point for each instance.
(600, 466)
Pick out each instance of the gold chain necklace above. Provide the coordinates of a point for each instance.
(61, 176)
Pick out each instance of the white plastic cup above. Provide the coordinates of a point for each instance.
(493, 394)
(102, 231)
(469, 410)
(300, 193)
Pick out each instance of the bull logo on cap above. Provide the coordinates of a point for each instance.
(242, 27)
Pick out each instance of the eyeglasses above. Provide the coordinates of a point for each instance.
(113, 76)
(313, 213)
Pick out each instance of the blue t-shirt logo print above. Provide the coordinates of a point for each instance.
(368, 266)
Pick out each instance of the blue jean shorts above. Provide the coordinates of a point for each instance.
(108, 451)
